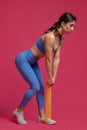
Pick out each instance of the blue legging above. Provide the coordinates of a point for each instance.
(27, 65)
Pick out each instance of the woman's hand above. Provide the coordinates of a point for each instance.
(51, 81)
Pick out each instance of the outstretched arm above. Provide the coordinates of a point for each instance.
(49, 41)
(56, 62)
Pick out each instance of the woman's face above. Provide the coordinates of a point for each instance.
(68, 27)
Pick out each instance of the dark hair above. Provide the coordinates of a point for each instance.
(66, 17)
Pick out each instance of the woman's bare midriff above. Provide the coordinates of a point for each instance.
(36, 51)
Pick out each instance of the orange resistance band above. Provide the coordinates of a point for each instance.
(48, 102)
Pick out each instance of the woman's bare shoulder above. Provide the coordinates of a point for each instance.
(48, 37)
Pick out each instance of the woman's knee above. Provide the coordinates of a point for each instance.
(33, 90)
(36, 87)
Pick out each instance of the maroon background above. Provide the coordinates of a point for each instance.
(21, 23)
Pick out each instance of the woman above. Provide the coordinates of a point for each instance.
(26, 62)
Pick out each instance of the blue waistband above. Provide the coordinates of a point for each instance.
(26, 56)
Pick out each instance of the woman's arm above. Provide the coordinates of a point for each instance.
(56, 61)
(49, 40)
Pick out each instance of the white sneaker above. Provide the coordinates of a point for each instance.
(20, 117)
(50, 121)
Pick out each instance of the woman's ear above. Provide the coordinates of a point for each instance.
(62, 24)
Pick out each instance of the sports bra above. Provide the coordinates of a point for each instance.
(39, 44)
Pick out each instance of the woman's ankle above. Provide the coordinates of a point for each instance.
(41, 113)
(19, 109)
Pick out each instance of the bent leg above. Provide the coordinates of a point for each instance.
(29, 75)
(40, 93)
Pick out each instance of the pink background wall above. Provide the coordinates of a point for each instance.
(21, 23)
